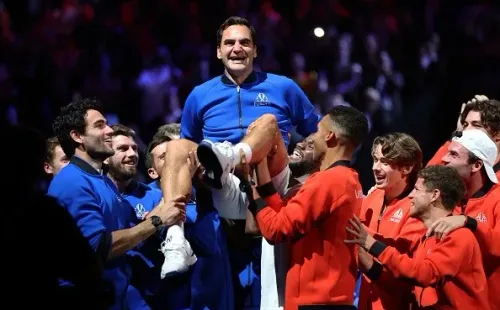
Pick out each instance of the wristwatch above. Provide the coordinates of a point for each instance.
(156, 221)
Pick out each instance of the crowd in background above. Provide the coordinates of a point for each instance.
(391, 59)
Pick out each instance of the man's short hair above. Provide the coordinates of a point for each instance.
(122, 130)
(171, 130)
(400, 150)
(157, 140)
(73, 117)
(50, 149)
(236, 20)
(490, 114)
(351, 123)
(447, 181)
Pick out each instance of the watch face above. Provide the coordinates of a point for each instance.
(156, 220)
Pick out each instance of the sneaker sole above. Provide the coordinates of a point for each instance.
(190, 261)
(209, 160)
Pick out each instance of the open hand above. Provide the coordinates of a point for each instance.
(170, 214)
(442, 227)
(360, 234)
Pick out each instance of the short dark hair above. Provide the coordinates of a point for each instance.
(447, 181)
(122, 130)
(490, 114)
(351, 122)
(236, 20)
(73, 117)
(157, 140)
(402, 150)
(171, 129)
(50, 147)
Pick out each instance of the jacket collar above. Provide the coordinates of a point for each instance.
(250, 79)
(345, 163)
(483, 190)
(131, 187)
(85, 166)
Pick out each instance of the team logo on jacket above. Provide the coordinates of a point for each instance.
(359, 194)
(139, 210)
(397, 216)
(481, 217)
(261, 100)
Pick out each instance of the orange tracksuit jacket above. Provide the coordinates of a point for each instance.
(448, 273)
(483, 210)
(386, 292)
(322, 268)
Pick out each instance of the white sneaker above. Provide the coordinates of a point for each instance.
(218, 159)
(178, 256)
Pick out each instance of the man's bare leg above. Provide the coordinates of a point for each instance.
(176, 186)
(219, 158)
(175, 177)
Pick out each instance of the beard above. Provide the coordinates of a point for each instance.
(301, 167)
(99, 150)
(120, 173)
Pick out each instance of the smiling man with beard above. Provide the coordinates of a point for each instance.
(146, 259)
(208, 284)
(93, 201)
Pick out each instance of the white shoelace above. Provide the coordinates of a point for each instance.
(171, 252)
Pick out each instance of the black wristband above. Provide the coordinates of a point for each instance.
(266, 190)
(377, 248)
(375, 271)
(470, 223)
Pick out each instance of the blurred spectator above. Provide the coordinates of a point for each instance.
(142, 58)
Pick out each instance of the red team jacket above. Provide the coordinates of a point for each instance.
(485, 209)
(386, 292)
(322, 268)
(448, 273)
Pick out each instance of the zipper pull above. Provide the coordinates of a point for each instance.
(238, 88)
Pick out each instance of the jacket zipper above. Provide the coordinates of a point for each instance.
(382, 211)
(240, 112)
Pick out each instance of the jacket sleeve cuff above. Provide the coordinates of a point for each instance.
(266, 190)
(104, 246)
(260, 204)
(471, 223)
(377, 248)
(375, 271)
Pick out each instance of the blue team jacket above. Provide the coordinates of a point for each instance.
(219, 110)
(98, 209)
(210, 282)
(172, 293)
